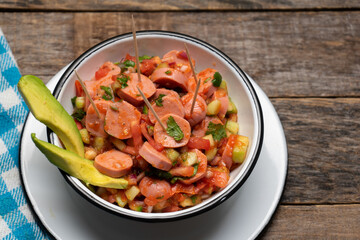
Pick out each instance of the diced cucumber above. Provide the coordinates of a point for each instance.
(163, 65)
(115, 86)
(85, 136)
(213, 107)
(80, 102)
(232, 126)
(211, 153)
(121, 202)
(132, 192)
(240, 149)
(172, 154)
(118, 143)
(189, 158)
(211, 139)
(223, 85)
(231, 108)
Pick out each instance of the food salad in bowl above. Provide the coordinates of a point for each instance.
(183, 154)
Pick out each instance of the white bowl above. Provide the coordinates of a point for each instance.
(157, 43)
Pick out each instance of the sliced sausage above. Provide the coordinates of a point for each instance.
(201, 129)
(131, 94)
(221, 95)
(118, 119)
(154, 190)
(179, 60)
(227, 154)
(201, 172)
(170, 78)
(94, 90)
(184, 171)
(155, 158)
(92, 122)
(113, 163)
(170, 104)
(206, 87)
(166, 92)
(164, 139)
(199, 111)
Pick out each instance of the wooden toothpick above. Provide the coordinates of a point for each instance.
(151, 108)
(136, 48)
(139, 76)
(197, 81)
(87, 94)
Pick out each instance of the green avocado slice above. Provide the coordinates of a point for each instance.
(76, 166)
(49, 111)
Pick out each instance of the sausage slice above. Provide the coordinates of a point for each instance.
(155, 158)
(201, 172)
(199, 111)
(170, 78)
(164, 139)
(169, 104)
(130, 92)
(113, 163)
(118, 119)
(92, 122)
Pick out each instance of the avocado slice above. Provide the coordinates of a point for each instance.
(49, 111)
(76, 166)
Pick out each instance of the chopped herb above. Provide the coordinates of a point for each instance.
(216, 130)
(196, 167)
(114, 108)
(141, 58)
(145, 110)
(129, 63)
(168, 72)
(159, 100)
(138, 95)
(161, 197)
(116, 63)
(193, 199)
(156, 173)
(139, 208)
(108, 93)
(123, 81)
(208, 79)
(73, 100)
(173, 129)
(217, 79)
(79, 114)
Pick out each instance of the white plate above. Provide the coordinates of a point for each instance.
(66, 215)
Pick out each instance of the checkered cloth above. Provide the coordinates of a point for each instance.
(16, 219)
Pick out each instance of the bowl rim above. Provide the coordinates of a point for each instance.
(215, 202)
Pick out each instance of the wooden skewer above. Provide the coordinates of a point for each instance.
(197, 82)
(87, 94)
(138, 73)
(136, 48)
(151, 108)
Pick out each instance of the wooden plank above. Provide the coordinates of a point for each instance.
(174, 5)
(323, 148)
(315, 222)
(288, 54)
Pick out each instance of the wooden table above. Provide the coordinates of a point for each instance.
(304, 54)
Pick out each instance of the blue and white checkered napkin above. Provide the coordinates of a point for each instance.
(16, 219)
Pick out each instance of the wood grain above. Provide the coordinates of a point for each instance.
(315, 222)
(323, 147)
(174, 5)
(297, 54)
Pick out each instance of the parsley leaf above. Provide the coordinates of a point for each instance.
(174, 130)
(217, 79)
(79, 114)
(141, 58)
(145, 109)
(129, 63)
(168, 72)
(208, 79)
(73, 100)
(159, 100)
(108, 94)
(193, 199)
(216, 130)
(123, 81)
